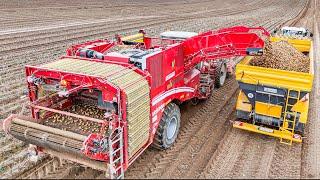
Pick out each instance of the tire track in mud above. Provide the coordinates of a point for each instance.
(286, 162)
(225, 152)
(241, 155)
(192, 159)
(254, 157)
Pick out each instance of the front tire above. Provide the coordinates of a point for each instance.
(220, 74)
(168, 128)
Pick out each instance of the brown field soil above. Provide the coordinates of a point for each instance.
(34, 32)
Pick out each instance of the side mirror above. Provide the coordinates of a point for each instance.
(311, 34)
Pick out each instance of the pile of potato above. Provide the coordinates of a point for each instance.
(77, 125)
(282, 55)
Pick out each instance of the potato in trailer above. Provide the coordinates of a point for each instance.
(274, 102)
(136, 89)
(299, 37)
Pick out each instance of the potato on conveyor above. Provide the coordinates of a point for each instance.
(76, 124)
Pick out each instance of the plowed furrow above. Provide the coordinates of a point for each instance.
(192, 159)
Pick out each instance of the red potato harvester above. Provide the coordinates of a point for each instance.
(138, 82)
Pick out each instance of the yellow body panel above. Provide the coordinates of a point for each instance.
(275, 133)
(133, 38)
(268, 109)
(302, 45)
(241, 103)
(274, 77)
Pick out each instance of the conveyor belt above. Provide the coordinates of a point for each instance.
(45, 136)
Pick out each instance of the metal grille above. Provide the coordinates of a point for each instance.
(156, 66)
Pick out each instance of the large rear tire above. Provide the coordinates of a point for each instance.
(168, 128)
(220, 74)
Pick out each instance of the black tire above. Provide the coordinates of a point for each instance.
(195, 101)
(231, 74)
(220, 73)
(299, 129)
(306, 53)
(164, 137)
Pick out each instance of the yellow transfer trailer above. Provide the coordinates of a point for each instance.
(274, 102)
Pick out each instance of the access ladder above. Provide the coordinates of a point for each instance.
(116, 154)
(290, 117)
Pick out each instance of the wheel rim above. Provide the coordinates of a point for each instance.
(172, 127)
(223, 74)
